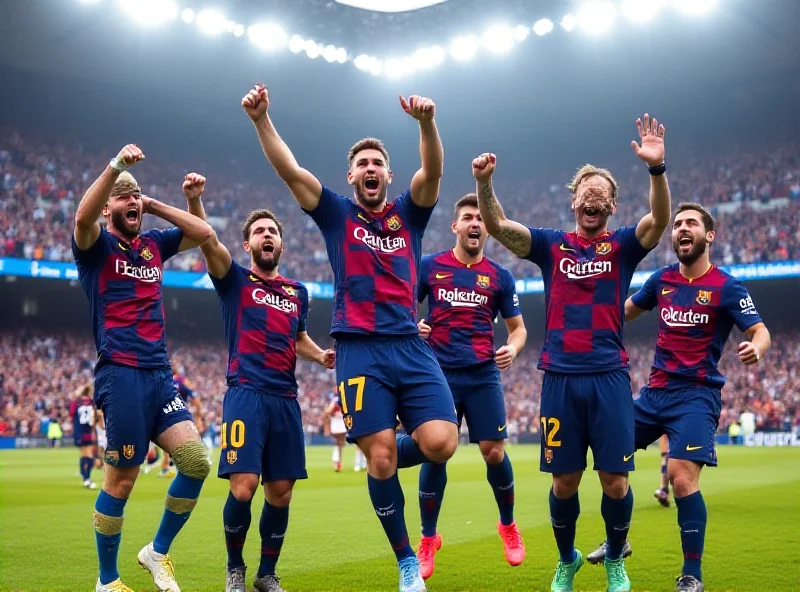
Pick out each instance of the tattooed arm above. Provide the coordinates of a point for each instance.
(513, 235)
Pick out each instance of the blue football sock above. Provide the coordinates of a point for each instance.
(408, 452)
(501, 478)
(432, 481)
(272, 527)
(692, 519)
(181, 497)
(389, 503)
(564, 516)
(617, 516)
(108, 512)
(236, 519)
(84, 469)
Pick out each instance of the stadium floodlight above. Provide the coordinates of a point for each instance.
(297, 44)
(329, 53)
(641, 11)
(394, 68)
(498, 38)
(267, 36)
(694, 6)
(238, 30)
(521, 33)
(312, 49)
(596, 17)
(341, 55)
(389, 5)
(427, 57)
(568, 22)
(543, 27)
(211, 22)
(150, 12)
(463, 48)
(375, 67)
(187, 16)
(362, 62)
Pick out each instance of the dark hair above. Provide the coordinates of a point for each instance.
(367, 144)
(470, 199)
(260, 215)
(705, 215)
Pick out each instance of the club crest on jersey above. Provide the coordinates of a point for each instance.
(128, 450)
(603, 248)
(348, 422)
(393, 222)
(289, 290)
(231, 456)
(146, 254)
(704, 297)
(483, 281)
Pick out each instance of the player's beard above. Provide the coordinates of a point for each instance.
(698, 248)
(593, 211)
(123, 226)
(470, 250)
(267, 262)
(370, 202)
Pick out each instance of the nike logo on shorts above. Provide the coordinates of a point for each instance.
(692, 448)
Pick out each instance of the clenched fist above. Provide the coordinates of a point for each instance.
(127, 157)
(483, 167)
(420, 108)
(193, 186)
(256, 102)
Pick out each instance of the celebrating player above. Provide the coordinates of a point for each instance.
(698, 305)
(120, 269)
(383, 368)
(82, 412)
(465, 291)
(262, 433)
(586, 394)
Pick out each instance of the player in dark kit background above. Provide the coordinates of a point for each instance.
(698, 306)
(466, 290)
(82, 412)
(262, 432)
(383, 368)
(121, 271)
(586, 393)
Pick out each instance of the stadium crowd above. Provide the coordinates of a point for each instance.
(755, 195)
(39, 374)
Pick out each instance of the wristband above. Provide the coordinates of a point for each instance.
(658, 170)
(118, 164)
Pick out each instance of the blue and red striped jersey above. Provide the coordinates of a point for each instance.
(585, 286)
(123, 283)
(463, 302)
(262, 318)
(375, 260)
(82, 413)
(695, 320)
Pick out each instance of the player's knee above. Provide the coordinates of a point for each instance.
(493, 451)
(381, 461)
(615, 485)
(279, 493)
(243, 486)
(439, 445)
(683, 483)
(192, 460)
(566, 485)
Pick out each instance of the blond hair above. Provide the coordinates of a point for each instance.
(589, 170)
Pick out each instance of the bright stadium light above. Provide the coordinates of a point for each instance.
(238, 30)
(150, 12)
(521, 33)
(389, 5)
(568, 22)
(329, 53)
(187, 16)
(463, 48)
(542, 27)
(362, 62)
(267, 36)
(641, 11)
(394, 68)
(596, 17)
(694, 6)
(341, 55)
(211, 22)
(498, 38)
(312, 49)
(296, 44)
(427, 57)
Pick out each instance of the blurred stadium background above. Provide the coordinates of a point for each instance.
(545, 84)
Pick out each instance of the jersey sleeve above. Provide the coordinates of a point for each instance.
(303, 295)
(632, 250)
(94, 255)
(226, 283)
(509, 301)
(739, 304)
(542, 239)
(168, 241)
(417, 216)
(647, 296)
(329, 211)
(423, 288)
(73, 408)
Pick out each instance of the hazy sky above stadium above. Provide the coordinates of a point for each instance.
(732, 76)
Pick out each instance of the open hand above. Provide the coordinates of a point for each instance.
(652, 136)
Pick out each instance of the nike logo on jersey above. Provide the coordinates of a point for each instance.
(665, 291)
(690, 448)
(565, 248)
(627, 457)
(442, 276)
(123, 247)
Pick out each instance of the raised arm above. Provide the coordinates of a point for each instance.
(195, 231)
(651, 228)
(304, 186)
(218, 258)
(425, 184)
(87, 228)
(513, 235)
(307, 349)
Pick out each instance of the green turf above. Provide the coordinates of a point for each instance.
(335, 541)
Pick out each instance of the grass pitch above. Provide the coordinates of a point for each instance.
(335, 542)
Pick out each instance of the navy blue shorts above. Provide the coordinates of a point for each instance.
(385, 378)
(688, 415)
(582, 411)
(138, 405)
(262, 434)
(478, 397)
